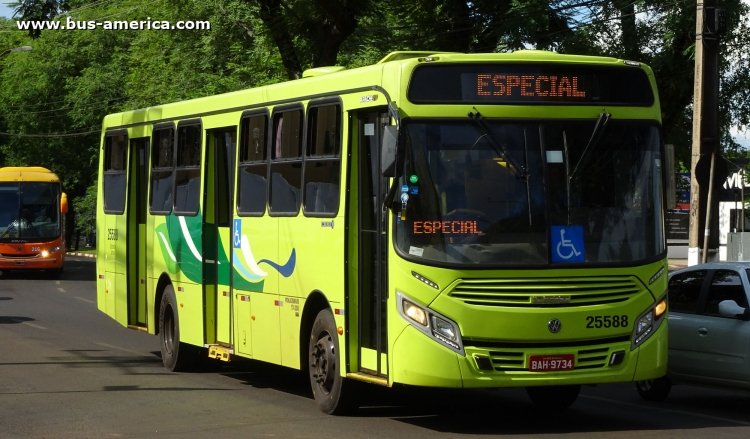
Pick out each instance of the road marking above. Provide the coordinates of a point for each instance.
(62, 290)
(83, 299)
(33, 325)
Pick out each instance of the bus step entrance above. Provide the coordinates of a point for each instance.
(219, 352)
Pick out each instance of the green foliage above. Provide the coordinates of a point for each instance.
(52, 99)
(85, 208)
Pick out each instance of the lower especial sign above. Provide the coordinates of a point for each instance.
(457, 227)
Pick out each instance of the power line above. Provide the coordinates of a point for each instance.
(50, 135)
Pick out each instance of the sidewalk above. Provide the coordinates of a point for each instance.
(676, 264)
(85, 255)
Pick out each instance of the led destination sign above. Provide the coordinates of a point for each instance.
(527, 83)
(528, 86)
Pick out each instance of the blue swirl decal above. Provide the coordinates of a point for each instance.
(287, 269)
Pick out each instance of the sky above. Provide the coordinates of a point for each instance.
(742, 137)
(5, 11)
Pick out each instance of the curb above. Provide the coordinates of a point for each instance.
(85, 255)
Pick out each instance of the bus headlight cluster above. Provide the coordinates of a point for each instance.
(436, 326)
(53, 250)
(649, 322)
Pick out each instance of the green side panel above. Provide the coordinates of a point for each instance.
(190, 302)
(187, 246)
(264, 319)
(242, 339)
(167, 256)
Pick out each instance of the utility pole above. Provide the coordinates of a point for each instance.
(704, 205)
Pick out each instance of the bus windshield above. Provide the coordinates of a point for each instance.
(530, 192)
(29, 212)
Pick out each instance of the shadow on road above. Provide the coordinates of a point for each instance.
(509, 410)
(75, 269)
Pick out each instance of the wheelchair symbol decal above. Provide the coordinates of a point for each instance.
(236, 230)
(567, 244)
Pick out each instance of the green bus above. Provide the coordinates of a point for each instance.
(436, 219)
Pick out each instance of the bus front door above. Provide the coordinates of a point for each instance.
(136, 233)
(217, 217)
(372, 243)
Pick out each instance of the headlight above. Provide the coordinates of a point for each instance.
(436, 326)
(415, 313)
(648, 322)
(53, 250)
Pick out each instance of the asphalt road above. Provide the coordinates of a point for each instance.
(68, 371)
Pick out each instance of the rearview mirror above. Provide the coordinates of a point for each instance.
(729, 308)
(63, 203)
(388, 151)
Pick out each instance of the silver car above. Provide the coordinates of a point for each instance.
(709, 328)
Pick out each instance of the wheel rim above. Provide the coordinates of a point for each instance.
(169, 331)
(645, 386)
(323, 363)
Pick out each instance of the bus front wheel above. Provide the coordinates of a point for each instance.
(175, 355)
(654, 390)
(328, 386)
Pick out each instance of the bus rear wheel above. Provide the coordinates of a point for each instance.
(553, 397)
(328, 386)
(175, 355)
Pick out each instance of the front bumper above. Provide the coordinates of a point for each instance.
(420, 361)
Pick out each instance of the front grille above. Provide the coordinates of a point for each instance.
(19, 255)
(546, 292)
(510, 361)
(513, 357)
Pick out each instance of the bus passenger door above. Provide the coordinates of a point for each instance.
(136, 233)
(367, 206)
(217, 244)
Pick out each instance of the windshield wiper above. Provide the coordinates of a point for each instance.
(596, 135)
(518, 171)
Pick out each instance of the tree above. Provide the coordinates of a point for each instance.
(309, 33)
(39, 10)
(53, 98)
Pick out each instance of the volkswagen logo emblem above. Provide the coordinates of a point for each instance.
(554, 326)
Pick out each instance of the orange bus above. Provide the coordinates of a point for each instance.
(32, 223)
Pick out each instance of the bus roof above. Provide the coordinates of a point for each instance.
(29, 173)
(318, 80)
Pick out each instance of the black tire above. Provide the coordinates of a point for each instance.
(654, 390)
(175, 355)
(324, 361)
(553, 397)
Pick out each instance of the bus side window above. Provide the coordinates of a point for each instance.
(188, 170)
(115, 154)
(162, 170)
(253, 167)
(286, 162)
(322, 161)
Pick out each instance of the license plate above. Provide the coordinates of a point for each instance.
(551, 363)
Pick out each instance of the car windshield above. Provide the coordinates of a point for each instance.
(527, 193)
(29, 212)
